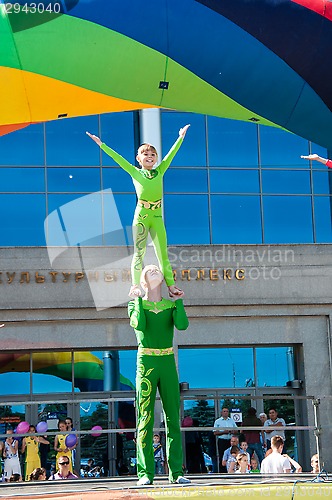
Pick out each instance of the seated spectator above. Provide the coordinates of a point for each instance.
(227, 453)
(242, 463)
(15, 478)
(254, 469)
(275, 462)
(64, 471)
(315, 464)
(231, 462)
(38, 474)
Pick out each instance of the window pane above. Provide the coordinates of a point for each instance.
(118, 180)
(118, 217)
(234, 181)
(117, 131)
(288, 219)
(236, 219)
(193, 149)
(227, 136)
(182, 227)
(322, 181)
(15, 373)
(323, 218)
(73, 180)
(285, 182)
(237, 367)
(68, 144)
(52, 372)
(273, 365)
(75, 220)
(185, 180)
(282, 149)
(24, 147)
(24, 221)
(15, 180)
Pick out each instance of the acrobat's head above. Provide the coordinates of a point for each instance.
(147, 156)
(151, 277)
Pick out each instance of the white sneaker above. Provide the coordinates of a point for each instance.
(182, 480)
(144, 481)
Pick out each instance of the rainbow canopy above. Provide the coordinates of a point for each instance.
(265, 61)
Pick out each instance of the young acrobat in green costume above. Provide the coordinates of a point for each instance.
(153, 319)
(148, 183)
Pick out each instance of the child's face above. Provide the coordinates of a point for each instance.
(254, 464)
(244, 445)
(147, 159)
(156, 439)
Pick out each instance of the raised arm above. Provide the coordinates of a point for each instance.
(167, 160)
(136, 314)
(179, 316)
(315, 157)
(122, 162)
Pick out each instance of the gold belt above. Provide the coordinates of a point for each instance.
(152, 205)
(155, 352)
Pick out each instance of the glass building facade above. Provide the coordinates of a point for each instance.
(245, 183)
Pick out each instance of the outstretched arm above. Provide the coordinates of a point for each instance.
(315, 157)
(167, 160)
(122, 162)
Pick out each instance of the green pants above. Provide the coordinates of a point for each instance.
(153, 372)
(150, 221)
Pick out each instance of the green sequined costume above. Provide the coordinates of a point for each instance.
(148, 213)
(154, 327)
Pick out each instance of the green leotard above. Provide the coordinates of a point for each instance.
(154, 327)
(148, 214)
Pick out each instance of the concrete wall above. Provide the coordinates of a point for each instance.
(236, 295)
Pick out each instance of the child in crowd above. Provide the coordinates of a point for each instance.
(148, 182)
(315, 464)
(243, 448)
(254, 469)
(158, 453)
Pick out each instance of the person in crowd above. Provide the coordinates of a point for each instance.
(263, 437)
(194, 447)
(244, 448)
(10, 456)
(38, 474)
(60, 444)
(148, 218)
(153, 319)
(274, 421)
(294, 463)
(254, 467)
(30, 446)
(224, 435)
(316, 157)
(275, 462)
(242, 464)
(64, 471)
(231, 462)
(15, 478)
(234, 441)
(315, 469)
(70, 429)
(158, 453)
(253, 438)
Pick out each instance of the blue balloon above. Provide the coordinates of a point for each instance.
(70, 440)
(41, 427)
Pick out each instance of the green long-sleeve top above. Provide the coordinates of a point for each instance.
(148, 183)
(154, 322)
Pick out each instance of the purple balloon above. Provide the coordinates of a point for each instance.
(70, 440)
(23, 427)
(41, 427)
(96, 428)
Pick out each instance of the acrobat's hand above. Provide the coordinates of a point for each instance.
(135, 292)
(310, 157)
(183, 131)
(94, 138)
(175, 293)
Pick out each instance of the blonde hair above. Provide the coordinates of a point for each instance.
(239, 457)
(145, 270)
(146, 147)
